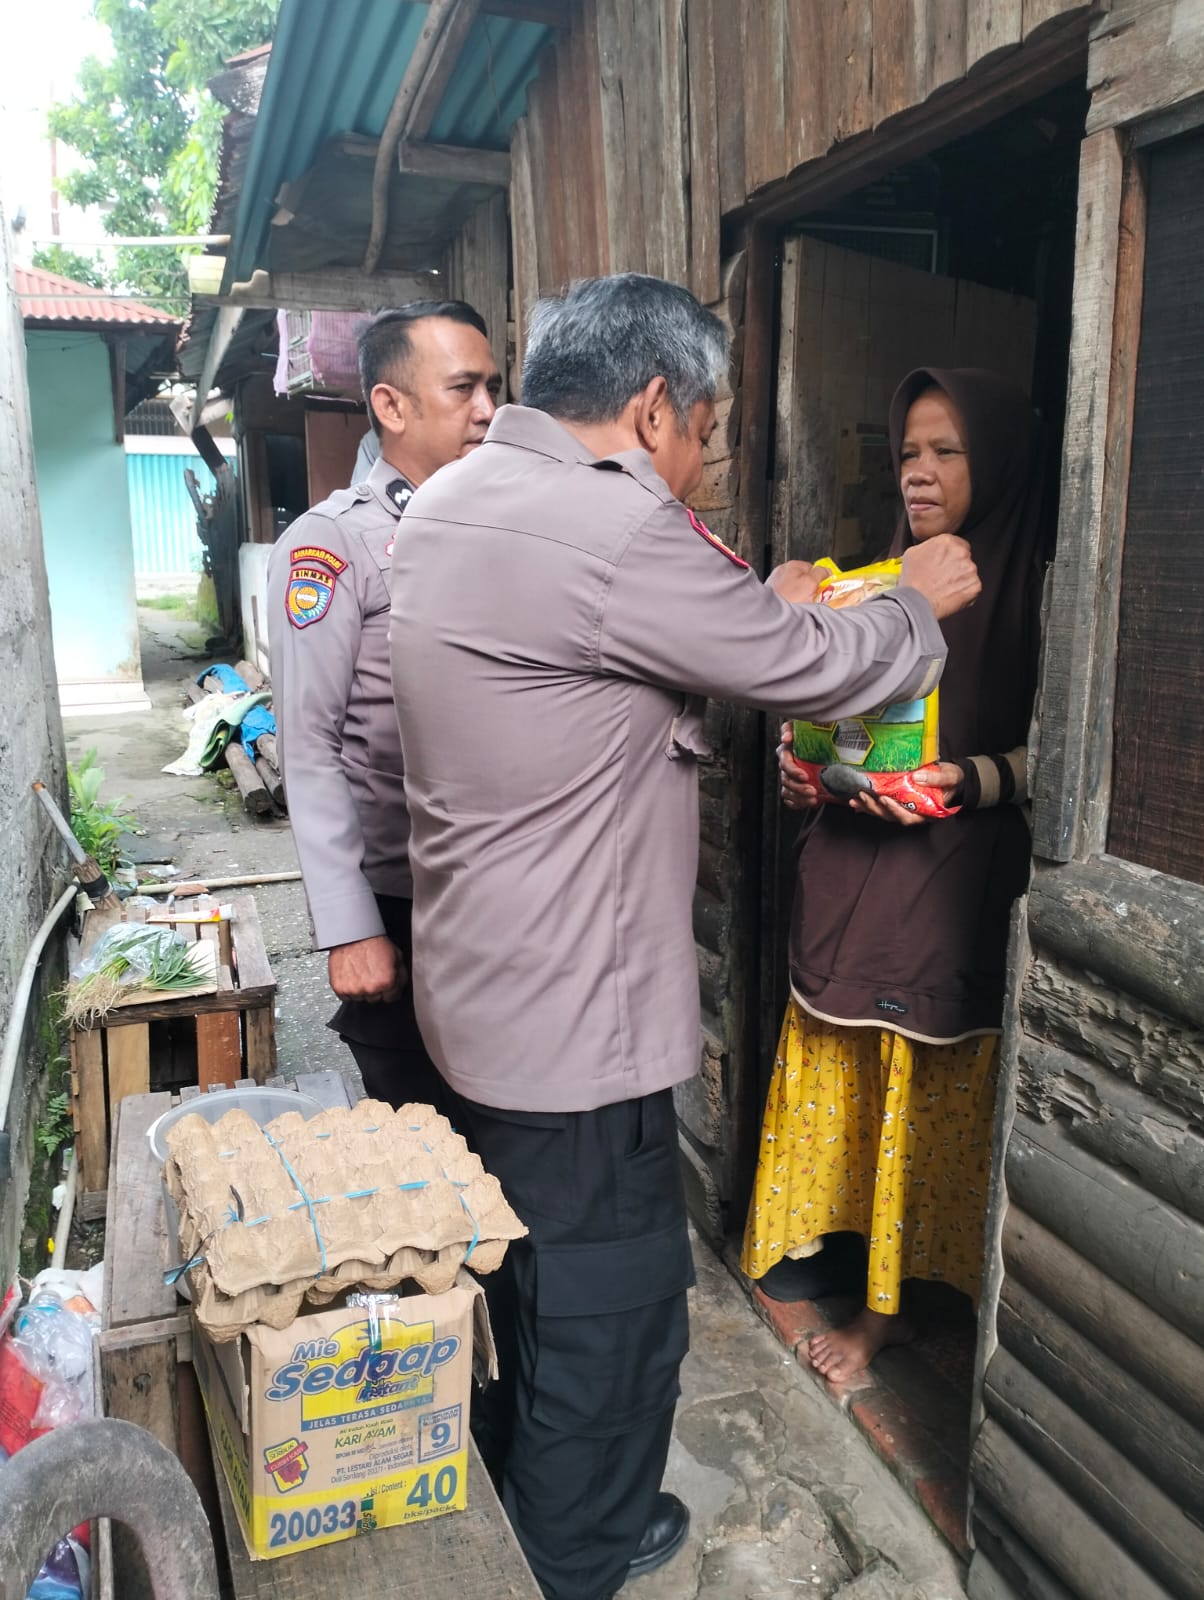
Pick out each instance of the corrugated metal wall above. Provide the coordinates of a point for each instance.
(162, 515)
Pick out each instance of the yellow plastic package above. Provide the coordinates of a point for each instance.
(879, 751)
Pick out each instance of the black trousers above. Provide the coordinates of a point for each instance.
(384, 1037)
(589, 1312)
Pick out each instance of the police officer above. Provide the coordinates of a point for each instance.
(557, 615)
(431, 385)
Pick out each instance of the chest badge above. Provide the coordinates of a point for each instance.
(713, 538)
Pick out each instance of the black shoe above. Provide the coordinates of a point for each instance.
(663, 1537)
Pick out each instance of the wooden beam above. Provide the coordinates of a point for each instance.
(224, 329)
(440, 68)
(454, 163)
(334, 289)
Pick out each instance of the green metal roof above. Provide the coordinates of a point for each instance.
(335, 68)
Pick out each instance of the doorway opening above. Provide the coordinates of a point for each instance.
(962, 259)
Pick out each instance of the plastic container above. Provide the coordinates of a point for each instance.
(264, 1104)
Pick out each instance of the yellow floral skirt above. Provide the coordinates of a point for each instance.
(869, 1132)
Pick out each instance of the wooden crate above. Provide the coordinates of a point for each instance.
(234, 1027)
(146, 1377)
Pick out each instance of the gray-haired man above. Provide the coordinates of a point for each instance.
(557, 616)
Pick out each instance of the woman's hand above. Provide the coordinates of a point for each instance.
(797, 793)
(943, 776)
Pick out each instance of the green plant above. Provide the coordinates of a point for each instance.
(54, 1129)
(97, 824)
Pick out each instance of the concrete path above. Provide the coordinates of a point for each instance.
(787, 1499)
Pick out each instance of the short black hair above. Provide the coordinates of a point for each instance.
(384, 347)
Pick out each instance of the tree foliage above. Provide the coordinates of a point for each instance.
(150, 130)
(80, 269)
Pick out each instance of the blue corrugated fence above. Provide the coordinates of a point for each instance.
(162, 515)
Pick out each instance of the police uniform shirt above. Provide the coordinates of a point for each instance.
(328, 621)
(556, 619)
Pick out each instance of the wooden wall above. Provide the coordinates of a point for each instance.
(1087, 1463)
(653, 120)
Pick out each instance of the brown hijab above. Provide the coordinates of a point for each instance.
(907, 927)
(986, 696)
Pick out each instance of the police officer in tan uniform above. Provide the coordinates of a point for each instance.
(431, 385)
(557, 615)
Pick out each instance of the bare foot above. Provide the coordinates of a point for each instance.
(840, 1354)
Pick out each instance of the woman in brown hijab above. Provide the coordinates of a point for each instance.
(879, 1115)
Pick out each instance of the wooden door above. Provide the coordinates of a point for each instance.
(1087, 1469)
(851, 327)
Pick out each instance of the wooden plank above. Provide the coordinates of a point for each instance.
(576, 94)
(259, 1028)
(542, 126)
(218, 1049)
(136, 1250)
(675, 142)
(644, 76)
(570, 168)
(1150, 1249)
(900, 68)
(128, 1062)
(252, 677)
(337, 289)
(255, 798)
(1010, 1560)
(1040, 14)
(88, 1080)
(1127, 926)
(1063, 1005)
(1068, 1539)
(704, 151)
(765, 94)
(1168, 1363)
(1071, 645)
(255, 976)
(945, 42)
(1115, 1121)
(992, 31)
(1158, 1440)
(1146, 56)
(728, 21)
(524, 249)
(470, 1552)
(617, 157)
(270, 777)
(442, 63)
(1101, 1478)
(595, 151)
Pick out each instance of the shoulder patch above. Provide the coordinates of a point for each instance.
(314, 552)
(310, 589)
(713, 538)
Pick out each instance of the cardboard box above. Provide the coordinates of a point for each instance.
(337, 1425)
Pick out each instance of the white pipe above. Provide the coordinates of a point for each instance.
(66, 1212)
(220, 883)
(16, 1017)
(142, 240)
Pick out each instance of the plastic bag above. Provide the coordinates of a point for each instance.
(878, 752)
(66, 1574)
(55, 1345)
(127, 952)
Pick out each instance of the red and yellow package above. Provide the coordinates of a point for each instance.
(880, 751)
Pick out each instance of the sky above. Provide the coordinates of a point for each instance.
(44, 44)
